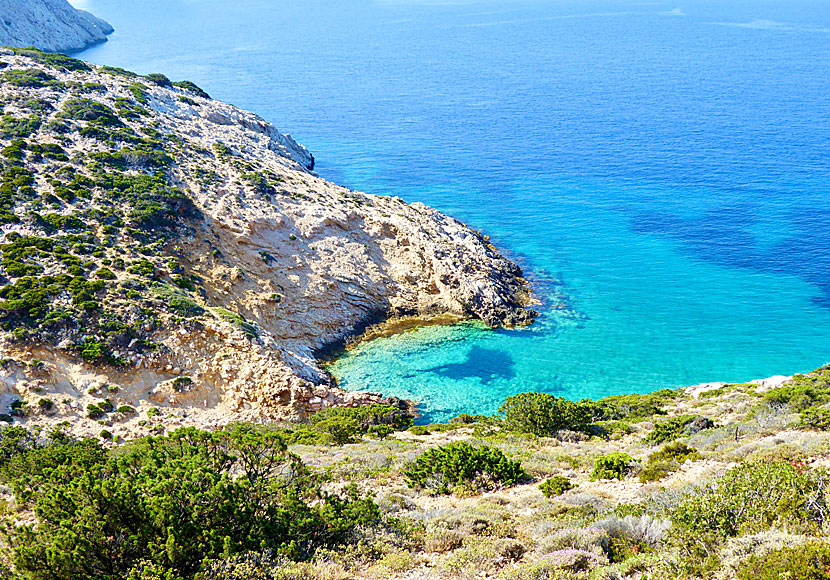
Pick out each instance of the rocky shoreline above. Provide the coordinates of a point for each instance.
(260, 267)
(50, 25)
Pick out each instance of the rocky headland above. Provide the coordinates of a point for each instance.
(164, 252)
(50, 25)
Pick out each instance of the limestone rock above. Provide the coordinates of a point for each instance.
(50, 25)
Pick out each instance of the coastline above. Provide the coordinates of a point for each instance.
(272, 263)
(52, 26)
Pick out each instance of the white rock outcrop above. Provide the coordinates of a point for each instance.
(286, 264)
(50, 25)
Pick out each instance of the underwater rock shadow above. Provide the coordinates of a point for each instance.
(485, 364)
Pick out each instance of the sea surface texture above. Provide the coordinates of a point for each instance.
(661, 170)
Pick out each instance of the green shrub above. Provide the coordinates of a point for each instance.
(668, 430)
(172, 504)
(677, 452)
(304, 435)
(12, 127)
(29, 77)
(93, 111)
(139, 92)
(632, 407)
(612, 466)
(367, 416)
(803, 391)
(18, 408)
(222, 151)
(95, 351)
(93, 411)
(238, 322)
(555, 485)
(434, 428)
(14, 441)
(666, 461)
(460, 465)
(815, 418)
(182, 384)
(105, 273)
(191, 87)
(341, 430)
(53, 59)
(807, 562)
(142, 267)
(751, 498)
(159, 79)
(543, 414)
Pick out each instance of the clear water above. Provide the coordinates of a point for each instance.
(660, 169)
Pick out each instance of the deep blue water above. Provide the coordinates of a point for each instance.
(660, 169)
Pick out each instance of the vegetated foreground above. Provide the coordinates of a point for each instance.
(715, 481)
(164, 252)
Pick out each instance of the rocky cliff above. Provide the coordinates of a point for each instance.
(161, 250)
(51, 25)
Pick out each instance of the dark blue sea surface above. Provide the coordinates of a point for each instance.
(660, 169)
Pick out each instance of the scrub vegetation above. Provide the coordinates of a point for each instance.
(362, 493)
(94, 223)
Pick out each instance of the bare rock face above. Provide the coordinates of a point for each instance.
(50, 25)
(168, 251)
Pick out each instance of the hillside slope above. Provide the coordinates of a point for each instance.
(163, 249)
(51, 25)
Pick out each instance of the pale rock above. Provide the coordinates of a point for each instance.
(50, 25)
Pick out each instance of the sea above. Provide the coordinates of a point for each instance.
(659, 169)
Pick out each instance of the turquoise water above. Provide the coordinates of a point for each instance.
(660, 170)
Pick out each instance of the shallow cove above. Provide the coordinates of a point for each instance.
(661, 173)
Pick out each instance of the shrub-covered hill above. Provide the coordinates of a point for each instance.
(162, 249)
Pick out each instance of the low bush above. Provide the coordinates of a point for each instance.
(674, 428)
(632, 407)
(543, 414)
(18, 127)
(340, 429)
(666, 461)
(191, 87)
(750, 498)
(807, 562)
(29, 77)
(460, 466)
(803, 391)
(555, 485)
(159, 79)
(169, 505)
(238, 322)
(369, 419)
(434, 428)
(105, 273)
(815, 418)
(92, 111)
(615, 465)
(53, 59)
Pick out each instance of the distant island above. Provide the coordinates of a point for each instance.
(50, 25)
